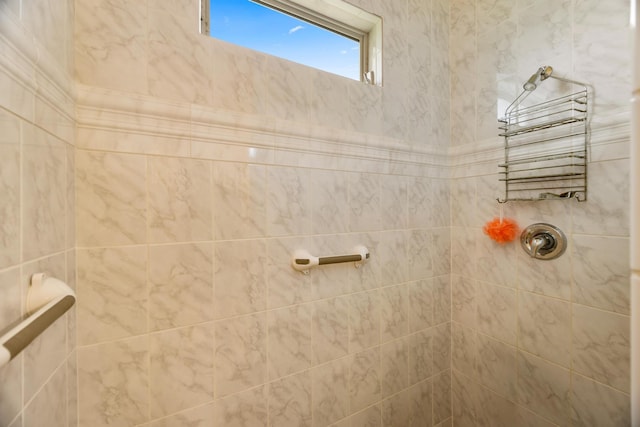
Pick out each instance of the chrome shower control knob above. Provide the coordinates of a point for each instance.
(543, 241)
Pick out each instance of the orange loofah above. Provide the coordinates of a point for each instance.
(501, 230)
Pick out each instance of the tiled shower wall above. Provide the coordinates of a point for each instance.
(539, 342)
(37, 221)
(200, 167)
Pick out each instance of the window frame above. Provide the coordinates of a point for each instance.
(336, 16)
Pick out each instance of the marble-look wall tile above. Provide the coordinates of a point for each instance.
(234, 83)
(601, 346)
(111, 207)
(239, 277)
(463, 250)
(364, 320)
(286, 286)
(112, 293)
(43, 356)
(329, 203)
(544, 34)
(327, 101)
(288, 204)
(365, 108)
(393, 202)
(394, 366)
(364, 202)
(330, 329)
(111, 44)
(601, 272)
(543, 388)
(240, 354)
(44, 191)
(180, 285)
(421, 207)
(179, 197)
(289, 88)
(441, 397)
(464, 399)
(441, 299)
(608, 40)
(249, 408)
(607, 212)
(364, 379)
(70, 202)
(10, 297)
(394, 306)
(201, 416)
(330, 392)
(497, 312)
(370, 417)
(239, 196)
(464, 300)
(554, 280)
(369, 277)
(392, 256)
(494, 410)
(420, 255)
(420, 354)
(49, 403)
(544, 327)
(594, 404)
(178, 59)
(463, 202)
(181, 369)
(441, 251)
(442, 347)
(113, 383)
(497, 367)
(290, 401)
(10, 188)
(496, 262)
(289, 346)
(11, 390)
(421, 304)
(72, 388)
(464, 349)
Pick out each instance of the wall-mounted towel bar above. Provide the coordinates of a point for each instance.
(48, 299)
(303, 261)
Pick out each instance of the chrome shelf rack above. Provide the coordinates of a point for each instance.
(545, 144)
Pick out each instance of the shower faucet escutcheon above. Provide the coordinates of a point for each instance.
(543, 241)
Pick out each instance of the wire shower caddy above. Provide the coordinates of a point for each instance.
(545, 144)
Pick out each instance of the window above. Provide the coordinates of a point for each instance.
(330, 35)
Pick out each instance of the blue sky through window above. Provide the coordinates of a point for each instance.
(257, 27)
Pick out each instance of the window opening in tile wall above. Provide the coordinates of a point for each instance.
(329, 35)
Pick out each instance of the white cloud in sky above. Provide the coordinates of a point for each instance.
(294, 29)
(344, 52)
